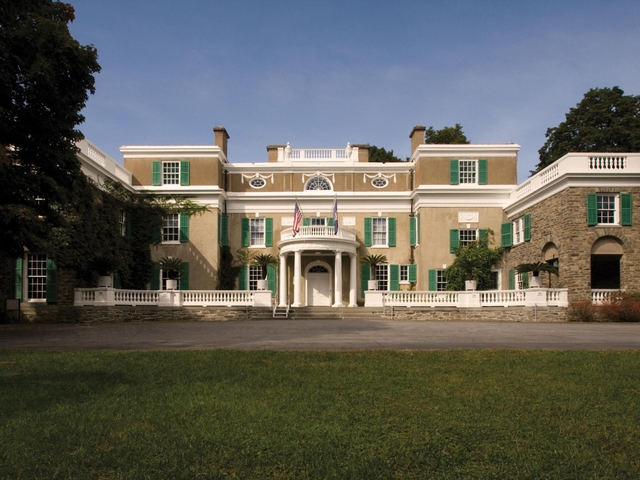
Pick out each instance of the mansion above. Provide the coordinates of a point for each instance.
(319, 211)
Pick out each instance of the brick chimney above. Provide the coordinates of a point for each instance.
(221, 136)
(417, 137)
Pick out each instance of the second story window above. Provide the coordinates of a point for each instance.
(171, 228)
(467, 236)
(379, 231)
(256, 229)
(318, 183)
(467, 171)
(606, 209)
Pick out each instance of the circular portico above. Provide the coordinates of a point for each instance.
(317, 242)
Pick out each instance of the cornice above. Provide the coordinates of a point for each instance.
(466, 150)
(172, 151)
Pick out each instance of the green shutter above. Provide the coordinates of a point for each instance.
(484, 236)
(391, 223)
(330, 221)
(413, 273)
(184, 227)
(482, 172)
(271, 279)
(454, 240)
(625, 209)
(157, 234)
(412, 231)
(527, 227)
(184, 278)
(243, 278)
(224, 231)
(154, 284)
(394, 277)
(365, 275)
(52, 281)
(245, 235)
(367, 231)
(268, 232)
(156, 173)
(184, 173)
(592, 209)
(454, 175)
(18, 279)
(512, 279)
(418, 228)
(433, 280)
(306, 222)
(506, 234)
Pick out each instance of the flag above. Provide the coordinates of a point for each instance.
(335, 217)
(297, 217)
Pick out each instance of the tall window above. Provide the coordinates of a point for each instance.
(441, 281)
(467, 171)
(37, 277)
(404, 273)
(607, 209)
(171, 228)
(382, 276)
(467, 236)
(171, 173)
(256, 232)
(123, 223)
(495, 280)
(379, 231)
(518, 234)
(255, 274)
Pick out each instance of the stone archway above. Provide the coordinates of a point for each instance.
(606, 254)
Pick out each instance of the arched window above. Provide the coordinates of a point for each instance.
(318, 269)
(318, 183)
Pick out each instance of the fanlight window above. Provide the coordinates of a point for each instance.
(318, 183)
(318, 269)
(379, 182)
(257, 183)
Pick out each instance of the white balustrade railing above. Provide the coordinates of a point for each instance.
(217, 297)
(600, 296)
(316, 231)
(432, 299)
(135, 297)
(104, 296)
(318, 154)
(502, 298)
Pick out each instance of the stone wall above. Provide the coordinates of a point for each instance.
(485, 314)
(562, 220)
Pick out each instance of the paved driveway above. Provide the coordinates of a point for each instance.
(324, 335)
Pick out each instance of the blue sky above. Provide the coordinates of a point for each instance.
(319, 74)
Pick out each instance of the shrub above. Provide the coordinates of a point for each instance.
(625, 307)
(582, 312)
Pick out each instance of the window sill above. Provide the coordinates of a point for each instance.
(173, 242)
(379, 246)
(257, 246)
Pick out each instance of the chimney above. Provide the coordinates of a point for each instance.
(363, 152)
(272, 151)
(417, 137)
(221, 136)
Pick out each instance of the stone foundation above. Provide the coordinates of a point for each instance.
(485, 314)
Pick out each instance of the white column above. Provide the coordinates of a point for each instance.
(337, 283)
(353, 281)
(297, 279)
(283, 280)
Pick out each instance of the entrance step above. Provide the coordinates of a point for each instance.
(319, 313)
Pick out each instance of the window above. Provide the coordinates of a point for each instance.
(517, 231)
(467, 236)
(379, 231)
(317, 221)
(123, 223)
(318, 183)
(257, 183)
(522, 281)
(379, 182)
(171, 228)
(382, 276)
(164, 276)
(404, 273)
(467, 171)
(255, 274)
(441, 281)
(170, 173)
(36, 277)
(495, 280)
(606, 209)
(256, 232)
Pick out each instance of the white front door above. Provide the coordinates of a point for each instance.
(318, 287)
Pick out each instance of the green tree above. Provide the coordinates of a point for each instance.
(473, 262)
(446, 135)
(606, 120)
(45, 79)
(379, 154)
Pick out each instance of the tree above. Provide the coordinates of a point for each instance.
(45, 79)
(446, 135)
(473, 262)
(379, 154)
(606, 120)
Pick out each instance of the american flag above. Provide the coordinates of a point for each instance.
(297, 218)
(335, 217)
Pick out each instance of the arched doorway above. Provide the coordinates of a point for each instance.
(318, 278)
(606, 254)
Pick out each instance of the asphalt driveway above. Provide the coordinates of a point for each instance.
(324, 335)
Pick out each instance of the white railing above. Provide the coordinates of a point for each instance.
(577, 163)
(538, 297)
(316, 231)
(104, 296)
(95, 162)
(598, 297)
(319, 154)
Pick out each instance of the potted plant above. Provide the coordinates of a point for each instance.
(174, 268)
(472, 266)
(535, 269)
(104, 266)
(372, 261)
(263, 261)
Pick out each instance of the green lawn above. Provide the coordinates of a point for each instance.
(215, 414)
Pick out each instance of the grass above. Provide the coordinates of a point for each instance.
(228, 414)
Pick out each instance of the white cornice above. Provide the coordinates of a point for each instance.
(172, 151)
(474, 150)
(454, 196)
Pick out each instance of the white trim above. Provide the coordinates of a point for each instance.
(468, 151)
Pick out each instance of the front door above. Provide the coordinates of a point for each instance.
(318, 286)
